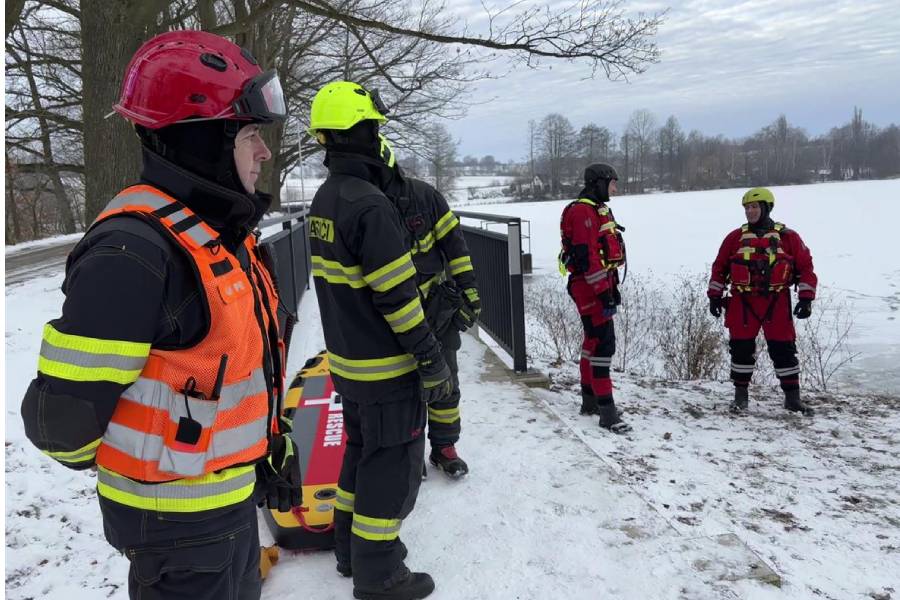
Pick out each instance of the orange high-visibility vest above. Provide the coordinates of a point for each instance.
(208, 407)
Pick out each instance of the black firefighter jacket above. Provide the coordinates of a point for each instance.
(372, 316)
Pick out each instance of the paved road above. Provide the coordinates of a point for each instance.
(32, 262)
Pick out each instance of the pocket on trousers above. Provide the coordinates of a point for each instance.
(209, 555)
(400, 421)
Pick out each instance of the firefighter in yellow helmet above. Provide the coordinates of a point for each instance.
(760, 261)
(385, 361)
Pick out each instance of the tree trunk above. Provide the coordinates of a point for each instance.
(110, 32)
(13, 227)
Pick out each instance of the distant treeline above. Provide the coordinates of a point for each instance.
(652, 157)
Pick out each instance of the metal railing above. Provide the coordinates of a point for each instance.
(497, 258)
(290, 250)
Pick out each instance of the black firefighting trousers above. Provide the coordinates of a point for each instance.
(190, 556)
(444, 424)
(379, 481)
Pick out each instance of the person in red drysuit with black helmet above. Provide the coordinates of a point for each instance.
(592, 252)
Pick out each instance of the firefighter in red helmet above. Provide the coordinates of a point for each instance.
(592, 252)
(164, 371)
(761, 260)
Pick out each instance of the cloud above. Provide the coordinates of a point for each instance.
(726, 67)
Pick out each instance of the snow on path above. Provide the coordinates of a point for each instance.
(553, 507)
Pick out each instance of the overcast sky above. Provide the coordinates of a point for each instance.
(726, 67)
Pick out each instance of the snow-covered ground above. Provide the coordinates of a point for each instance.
(554, 507)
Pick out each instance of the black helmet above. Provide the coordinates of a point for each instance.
(598, 171)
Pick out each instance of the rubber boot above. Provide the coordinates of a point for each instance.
(793, 403)
(347, 571)
(588, 404)
(403, 585)
(610, 419)
(446, 459)
(741, 399)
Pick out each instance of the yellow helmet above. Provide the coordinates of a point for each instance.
(759, 194)
(343, 104)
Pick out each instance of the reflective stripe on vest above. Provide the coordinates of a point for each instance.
(175, 441)
(212, 491)
(756, 248)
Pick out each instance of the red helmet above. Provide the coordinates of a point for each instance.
(183, 75)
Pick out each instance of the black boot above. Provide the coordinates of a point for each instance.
(610, 418)
(446, 459)
(347, 571)
(588, 404)
(793, 403)
(403, 585)
(741, 399)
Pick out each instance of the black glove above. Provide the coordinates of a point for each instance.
(715, 307)
(609, 299)
(470, 310)
(279, 475)
(436, 379)
(803, 308)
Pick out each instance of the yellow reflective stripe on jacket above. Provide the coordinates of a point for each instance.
(73, 457)
(607, 226)
(407, 317)
(334, 272)
(426, 286)
(425, 244)
(372, 369)
(460, 265)
(375, 530)
(392, 274)
(443, 415)
(215, 490)
(80, 358)
(445, 225)
(344, 500)
(586, 201)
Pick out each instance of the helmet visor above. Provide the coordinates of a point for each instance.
(262, 99)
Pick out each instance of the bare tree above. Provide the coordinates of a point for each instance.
(595, 31)
(641, 128)
(594, 143)
(441, 157)
(557, 148)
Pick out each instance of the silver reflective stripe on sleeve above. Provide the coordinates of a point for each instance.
(90, 360)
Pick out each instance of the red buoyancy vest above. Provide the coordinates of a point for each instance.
(201, 409)
(610, 247)
(760, 264)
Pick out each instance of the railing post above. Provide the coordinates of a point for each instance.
(516, 294)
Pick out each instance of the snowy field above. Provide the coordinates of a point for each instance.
(556, 508)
